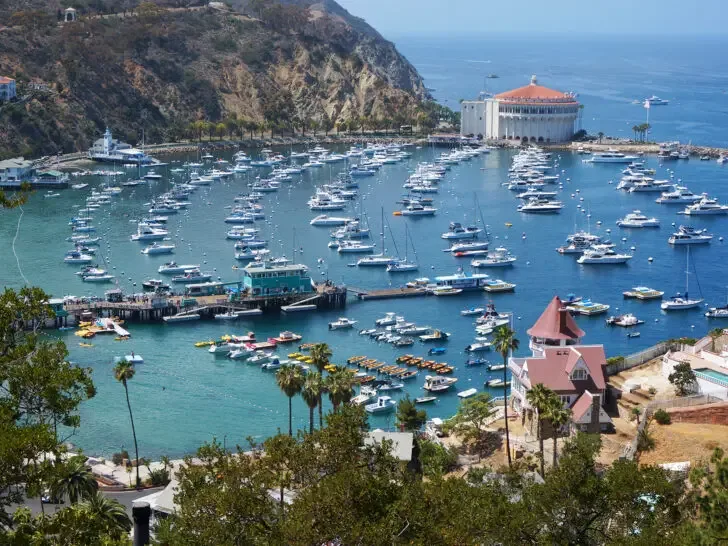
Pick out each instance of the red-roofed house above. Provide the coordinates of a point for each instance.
(560, 362)
(532, 113)
(7, 88)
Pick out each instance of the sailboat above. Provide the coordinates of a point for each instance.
(402, 266)
(377, 260)
(680, 302)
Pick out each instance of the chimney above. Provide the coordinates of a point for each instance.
(596, 407)
(562, 319)
(141, 513)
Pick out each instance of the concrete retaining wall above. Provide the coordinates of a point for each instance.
(712, 414)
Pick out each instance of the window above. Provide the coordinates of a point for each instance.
(579, 374)
(565, 399)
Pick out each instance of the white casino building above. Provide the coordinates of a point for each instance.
(532, 113)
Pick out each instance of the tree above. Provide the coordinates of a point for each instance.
(635, 128)
(408, 416)
(314, 125)
(600, 134)
(73, 480)
(539, 397)
(320, 358)
(472, 417)
(110, 513)
(220, 130)
(682, 378)
(124, 372)
(311, 393)
(505, 343)
(710, 487)
(558, 416)
(326, 124)
(339, 384)
(714, 334)
(437, 459)
(290, 381)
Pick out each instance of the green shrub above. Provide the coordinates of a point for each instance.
(436, 459)
(662, 417)
(118, 458)
(159, 477)
(652, 390)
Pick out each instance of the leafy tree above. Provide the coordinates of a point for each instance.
(408, 416)
(539, 396)
(714, 334)
(15, 199)
(472, 417)
(124, 372)
(437, 460)
(320, 358)
(290, 381)
(682, 378)
(505, 342)
(339, 384)
(220, 130)
(73, 480)
(311, 393)
(600, 134)
(710, 497)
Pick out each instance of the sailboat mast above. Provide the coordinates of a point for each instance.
(687, 270)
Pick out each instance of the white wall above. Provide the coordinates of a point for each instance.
(472, 118)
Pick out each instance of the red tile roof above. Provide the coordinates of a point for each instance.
(553, 370)
(533, 91)
(581, 406)
(556, 323)
(4, 80)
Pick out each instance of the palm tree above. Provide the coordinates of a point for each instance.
(558, 416)
(109, 511)
(124, 372)
(635, 129)
(320, 355)
(539, 396)
(601, 136)
(340, 386)
(311, 393)
(74, 480)
(290, 381)
(714, 334)
(505, 342)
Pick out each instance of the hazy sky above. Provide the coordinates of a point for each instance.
(399, 17)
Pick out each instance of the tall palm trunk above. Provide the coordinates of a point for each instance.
(290, 416)
(553, 463)
(321, 410)
(310, 417)
(133, 432)
(505, 409)
(539, 431)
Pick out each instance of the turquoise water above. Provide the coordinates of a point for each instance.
(714, 374)
(183, 396)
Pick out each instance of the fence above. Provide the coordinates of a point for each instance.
(637, 359)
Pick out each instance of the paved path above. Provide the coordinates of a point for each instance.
(124, 497)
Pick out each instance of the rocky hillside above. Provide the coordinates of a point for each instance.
(160, 67)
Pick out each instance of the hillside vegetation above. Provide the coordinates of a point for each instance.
(173, 70)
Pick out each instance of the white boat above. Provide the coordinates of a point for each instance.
(404, 265)
(679, 195)
(649, 185)
(354, 247)
(170, 268)
(438, 383)
(382, 405)
(478, 347)
(472, 311)
(186, 317)
(228, 315)
(654, 100)
(705, 207)
(467, 393)
(147, 233)
(105, 277)
(366, 394)
(462, 281)
(326, 220)
(416, 208)
(680, 301)
(134, 359)
(457, 231)
(541, 206)
(387, 320)
(686, 235)
(342, 323)
(457, 248)
(627, 320)
(611, 156)
(192, 276)
(377, 260)
(636, 219)
(500, 257)
(601, 254)
(493, 383)
(156, 248)
(445, 291)
(75, 257)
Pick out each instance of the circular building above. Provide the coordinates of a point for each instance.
(532, 113)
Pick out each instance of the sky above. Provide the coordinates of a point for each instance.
(407, 17)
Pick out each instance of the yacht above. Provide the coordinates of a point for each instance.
(342, 323)
(679, 195)
(192, 276)
(354, 247)
(376, 260)
(156, 248)
(602, 254)
(402, 266)
(467, 247)
(438, 383)
(649, 185)
(76, 257)
(541, 206)
(387, 320)
(686, 235)
(636, 219)
(457, 231)
(326, 220)
(679, 302)
(706, 206)
(611, 156)
(147, 233)
(98, 277)
(416, 208)
(170, 268)
(536, 194)
(654, 100)
(382, 405)
(352, 230)
(501, 257)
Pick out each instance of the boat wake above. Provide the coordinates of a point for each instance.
(17, 260)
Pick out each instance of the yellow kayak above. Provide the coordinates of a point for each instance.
(85, 344)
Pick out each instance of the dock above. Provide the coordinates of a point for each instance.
(387, 293)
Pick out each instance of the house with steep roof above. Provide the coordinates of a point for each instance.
(560, 361)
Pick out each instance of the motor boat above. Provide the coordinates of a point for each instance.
(649, 185)
(478, 347)
(654, 100)
(342, 324)
(192, 276)
(382, 405)
(438, 383)
(389, 387)
(228, 315)
(686, 235)
(170, 268)
(472, 311)
(366, 394)
(643, 293)
(76, 257)
(425, 399)
(182, 317)
(416, 208)
(706, 206)
(600, 254)
(501, 257)
(541, 206)
(387, 320)
(457, 231)
(494, 383)
(435, 335)
(445, 291)
(326, 220)
(611, 156)
(636, 219)
(156, 248)
(402, 266)
(717, 312)
(467, 393)
(155, 285)
(626, 321)
(679, 195)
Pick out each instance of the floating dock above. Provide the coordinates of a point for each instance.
(387, 293)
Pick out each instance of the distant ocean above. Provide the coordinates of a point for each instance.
(608, 73)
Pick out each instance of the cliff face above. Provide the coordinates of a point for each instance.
(163, 68)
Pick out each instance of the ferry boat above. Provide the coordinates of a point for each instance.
(636, 219)
(602, 254)
(643, 293)
(611, 156)
(462, 281)
(705, 207)
(686, 235)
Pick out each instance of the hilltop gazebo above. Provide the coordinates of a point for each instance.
(69, 15)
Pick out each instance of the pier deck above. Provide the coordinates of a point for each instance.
(387, 293)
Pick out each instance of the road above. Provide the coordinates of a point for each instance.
(124, 497)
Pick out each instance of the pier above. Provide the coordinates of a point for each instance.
(387, 293)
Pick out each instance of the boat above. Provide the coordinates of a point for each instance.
(467, 393)
(104, 277)
(366, 394)
(680, 301)
(679, 195)
(437, 351)
(387, 320)
(498, 285)
(648, 185)
(342, 323)
(425, 399)
(457, 231)
(541, 206)
(403, 265)
(134, 359)
(186, 317)
(326, 220)
(633, 334)
(460, 281)
(611, 156)
(274, 364)
(287, 337)
(228, 315)
(415, 208)
(171, 268)
(500, 257)
(643, 293)
(493, 383)
(446, 291)
(705, 207)
(686, 235)
(459, 248)
(587, 307)
(354, 247)
(478, 347)
(75, 257)
(438, 383)
(496, 367)
(382, 405)
(152, 175)
(601, 254)
(476, 362)
(156, 248)
(192, 276)
(636, 219)
(155, 285)
(436, 335)
(625, 321)
(388, 387)
(654, 100)
(472, 311)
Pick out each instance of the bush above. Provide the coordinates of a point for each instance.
(159, 477)
(118, 458)
(436, 459)
(662, 417)
(652, 390)
(615, 360)
(645, 441)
